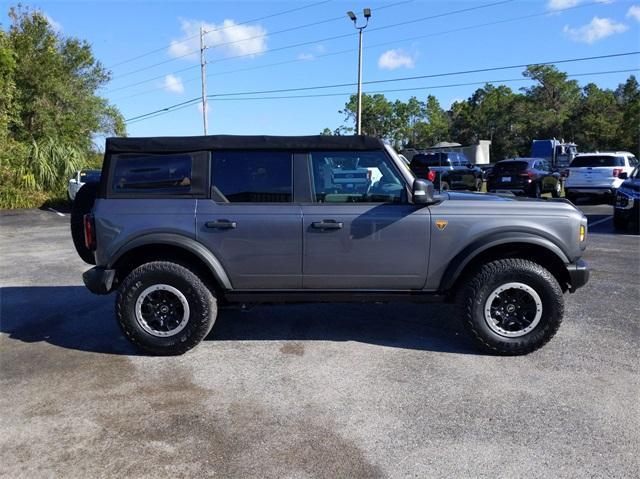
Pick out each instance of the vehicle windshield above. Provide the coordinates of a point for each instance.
(635, 174)
(595, 161)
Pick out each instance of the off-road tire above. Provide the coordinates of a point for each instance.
(202, 306)
(479, 285)
(82, 205)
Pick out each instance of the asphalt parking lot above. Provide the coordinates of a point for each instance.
(337, 390)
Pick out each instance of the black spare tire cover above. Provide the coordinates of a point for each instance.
(82, 205)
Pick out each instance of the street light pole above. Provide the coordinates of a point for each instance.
(359, 117)
(354, 19)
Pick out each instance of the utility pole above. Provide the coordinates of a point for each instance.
(203, 79)
(354, 19)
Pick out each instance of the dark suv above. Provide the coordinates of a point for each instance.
(524, 176)
(181, 226)
(447, 170)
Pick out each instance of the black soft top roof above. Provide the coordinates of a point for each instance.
(174, 144)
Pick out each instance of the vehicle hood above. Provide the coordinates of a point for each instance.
(503, 198)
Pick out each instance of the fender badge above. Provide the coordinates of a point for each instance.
(441, 224)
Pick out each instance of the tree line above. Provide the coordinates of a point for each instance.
(554, 107)
(50, 111)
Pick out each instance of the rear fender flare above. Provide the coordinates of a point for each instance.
(188, 244)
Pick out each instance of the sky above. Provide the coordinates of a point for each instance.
(152, 50)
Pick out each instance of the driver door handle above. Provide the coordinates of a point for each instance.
(327, 225)
(221, 224)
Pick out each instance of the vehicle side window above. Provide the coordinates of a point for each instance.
(355, 177)
(633, 161)
(252, 177)
(157, 174)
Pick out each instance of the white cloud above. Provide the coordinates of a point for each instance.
(597, 29)
(392, 59)
(227, 37)
(554, 5)
(307, 56)
(634, 12)
(173, 84)
(56, 26)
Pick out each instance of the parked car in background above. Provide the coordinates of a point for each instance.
(598, 174)
(524, 176)
(78, 181)
(447, 170)
(627, 205)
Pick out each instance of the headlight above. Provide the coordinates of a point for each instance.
(583, 233)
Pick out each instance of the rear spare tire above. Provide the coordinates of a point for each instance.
(511, 306)
(165, 309)
(82, 205)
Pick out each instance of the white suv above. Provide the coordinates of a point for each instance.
(593, 174)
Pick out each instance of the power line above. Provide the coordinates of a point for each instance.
(323, 95)
(284, 12)
(417, 77)
(296, 45)
(429, 87)
(270, 34)
(433, 75)
(376, 45)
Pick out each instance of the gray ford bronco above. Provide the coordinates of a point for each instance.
(181, 226)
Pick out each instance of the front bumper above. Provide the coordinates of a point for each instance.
(578, 274)
(99, 280)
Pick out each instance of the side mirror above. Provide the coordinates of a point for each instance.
(623, 175)
(422, 191)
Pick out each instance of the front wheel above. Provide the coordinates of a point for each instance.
(511, 306)
(165, 309)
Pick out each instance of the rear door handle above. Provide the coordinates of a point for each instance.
(221, 224)
(327, 225)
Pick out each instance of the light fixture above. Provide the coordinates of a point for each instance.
(367, 13)
(352, 15)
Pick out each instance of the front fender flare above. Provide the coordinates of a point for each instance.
(464, 257)
(186, 243)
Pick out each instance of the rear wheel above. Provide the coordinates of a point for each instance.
(535, 190)
(478, 184)
(444, 186)
(555, 193)
(511, 306)
(165, 309)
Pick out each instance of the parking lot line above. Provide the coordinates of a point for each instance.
(603, 220)
(56, 212)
